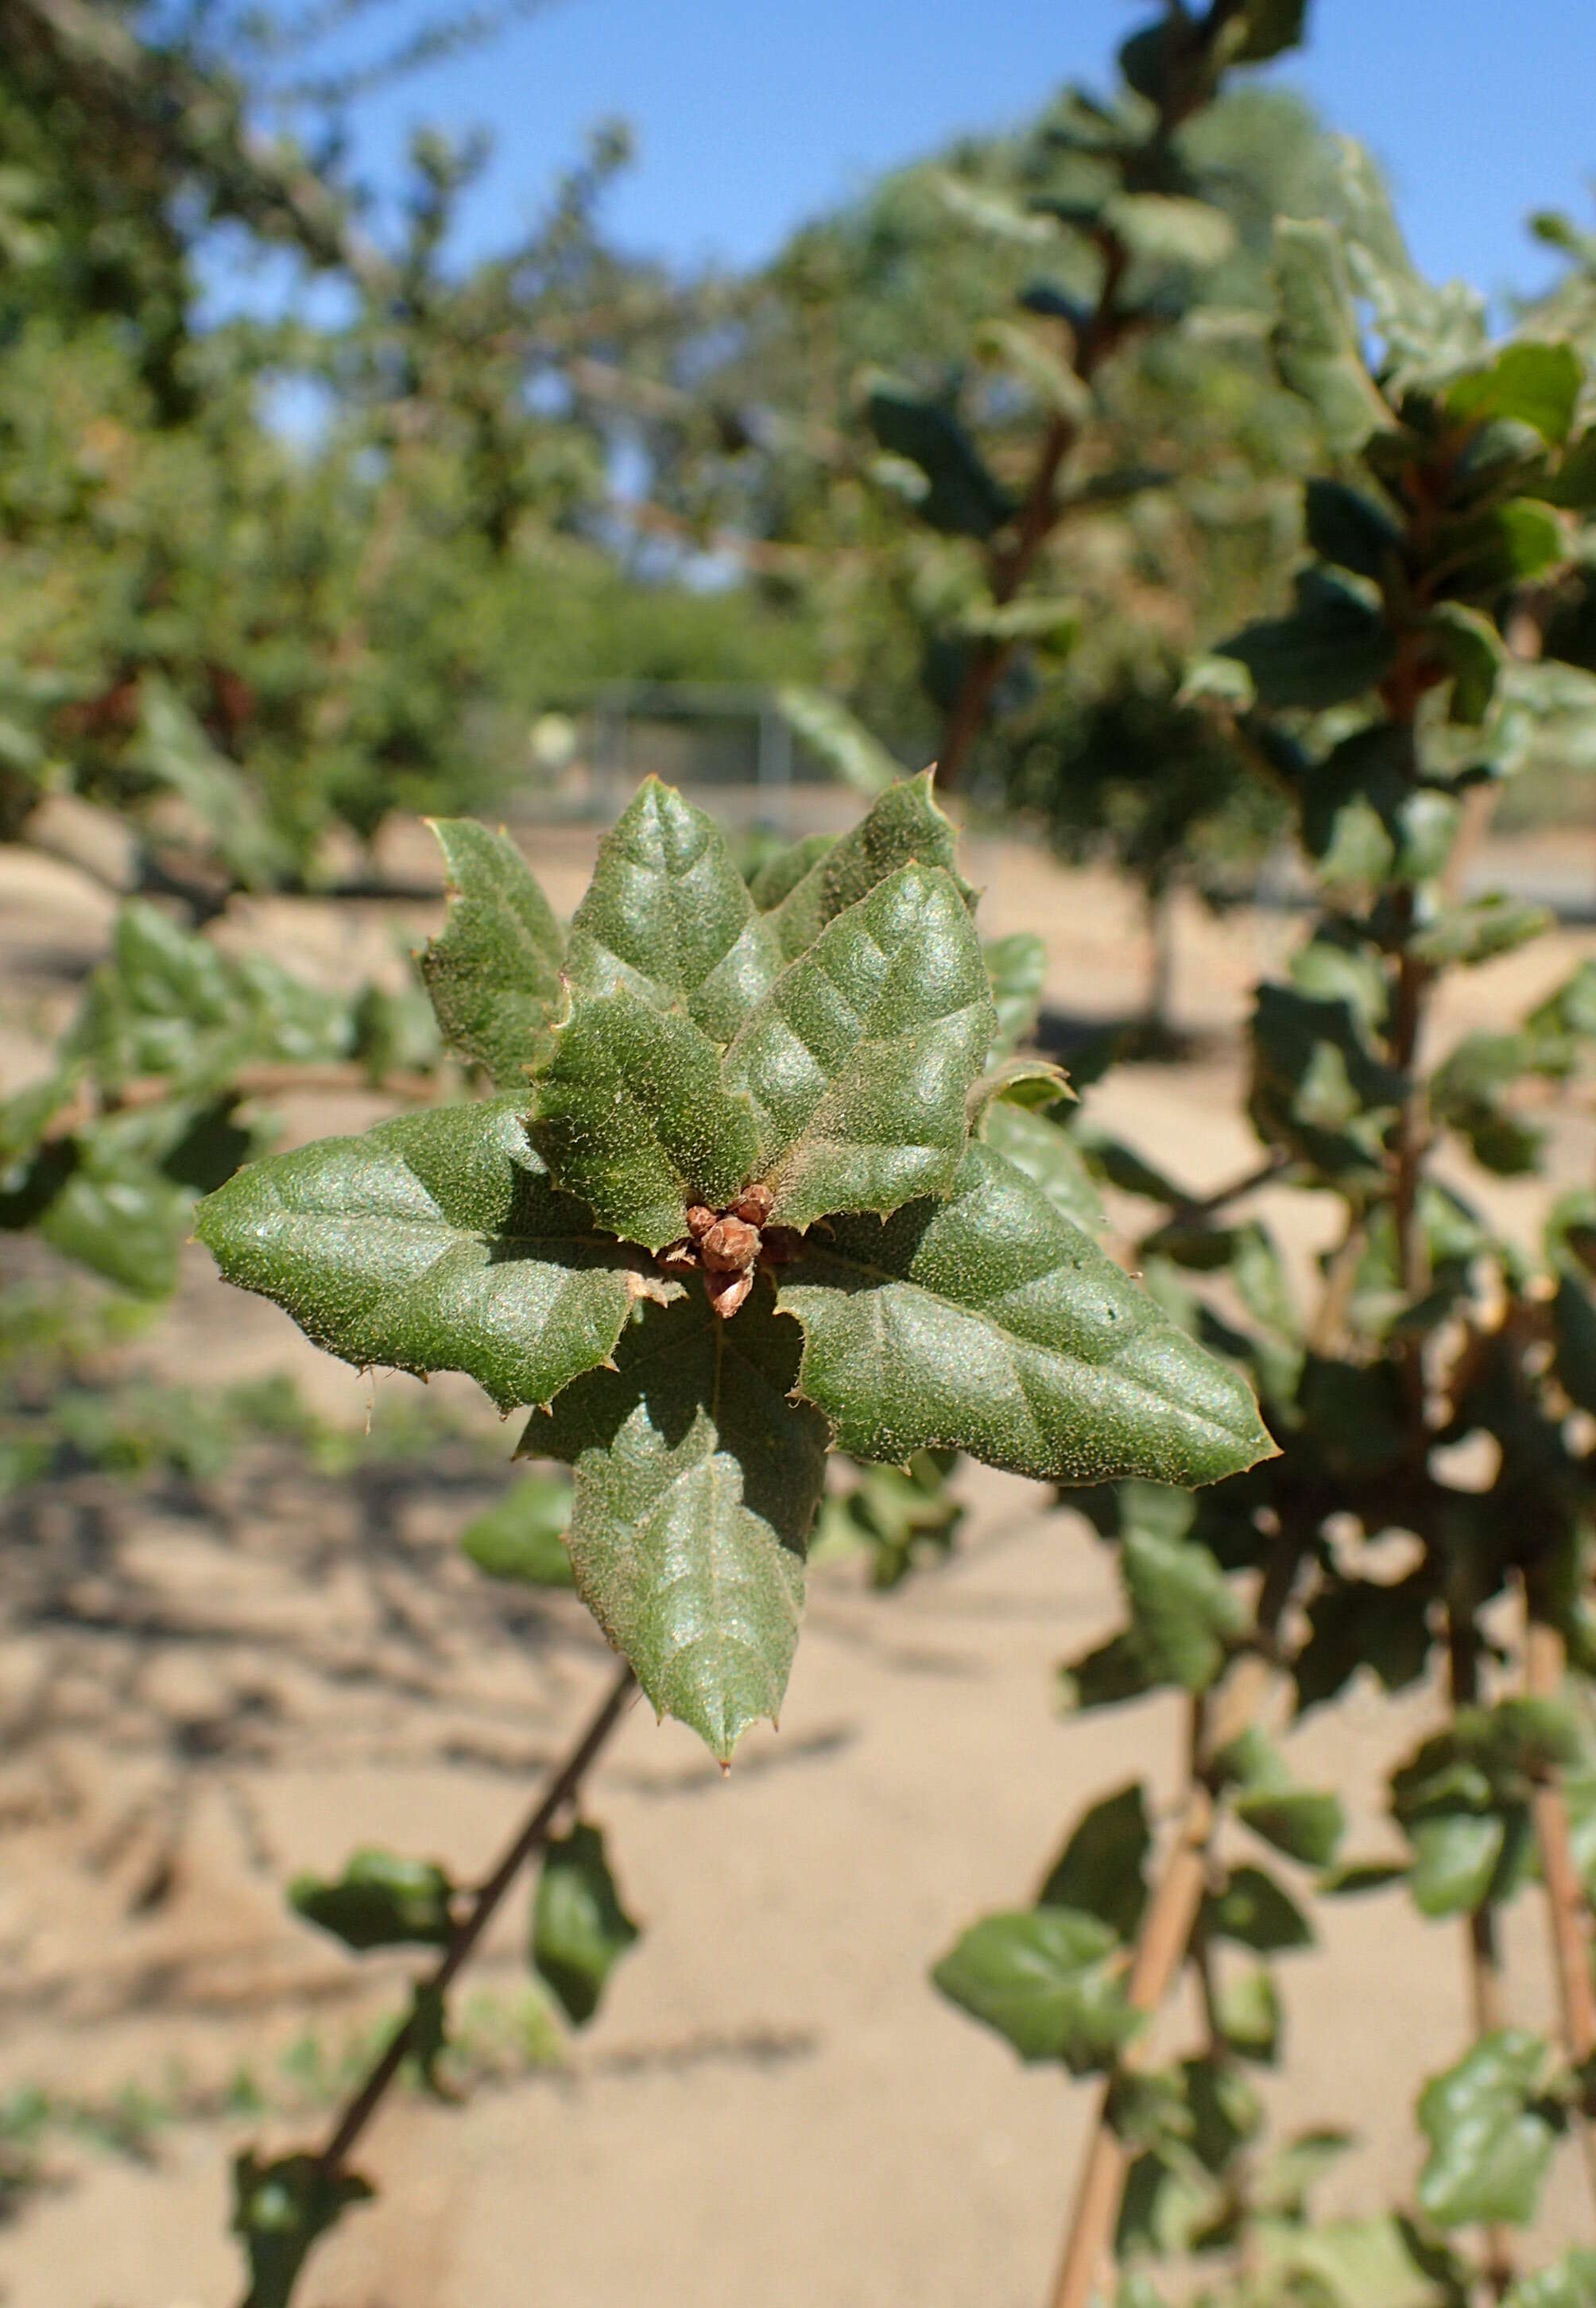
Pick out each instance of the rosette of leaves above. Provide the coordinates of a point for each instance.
(733, 1202)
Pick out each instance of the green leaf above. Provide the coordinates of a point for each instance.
(1016, 971)
(1573, 1329)
(173, 749)
(988, 1324)
(1160, 228)
(1373, 2263)
(1304, 1824)
(1049, 1980)
(1048, 1156)
(782, 873)
(523, 1537)
(1483, 553)
(669, 919)
(859, 1061)
(1455, 1858)
(494, 973)
(1569, 2283)
(841, 740)
(1285, 2179)
(279, 2210)
(125, 1222)
(1350, 529)
(1316, 338)
(1472, 652)
(696, 1482)
(1253, 1910)
(436, 1242)
(1532, 383)
(1480, 931)
(579, 1929)
(379, 1901)
(1332, 649)
(1106, 1677)
(1102, 1869)
(1269, 27)
(964, 499)
(1248, 2010)
(632, 1115)
(1184, 1612)
(1490, 2144)
(904, 828)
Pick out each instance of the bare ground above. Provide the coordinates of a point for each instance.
(207, 1687)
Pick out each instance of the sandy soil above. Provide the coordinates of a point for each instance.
(205, 1688)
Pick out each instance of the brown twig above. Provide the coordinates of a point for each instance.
(1487, 2007)
(1159, 1947)
(558, 1792)
(1566, 1907)
(1168, 1927)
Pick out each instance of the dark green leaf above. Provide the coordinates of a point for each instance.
(579, 1929)
(1490, 2143)
(279, 2210)
(859, 1061)
(632, 1115)
(1304, 1824)
(1101, 1870)
(523, 1537)
(1252, 1908)
(988, 1324)
(669, 919)
(1350, 529)
(1107, 1676)
(1049, 1980)
(696, 1482)
(1333, 647)
(436, 1242)
(379, 1901)
(1573, 1328)
(964, 499)
(904, 828)
(1270, 28)
(494, 973)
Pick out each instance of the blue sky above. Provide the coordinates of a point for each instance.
(751, 118)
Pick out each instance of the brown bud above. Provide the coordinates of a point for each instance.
(730, 1247)
(699, 1222)
(755, 1205)
(677, 1254)
(727, 1292)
